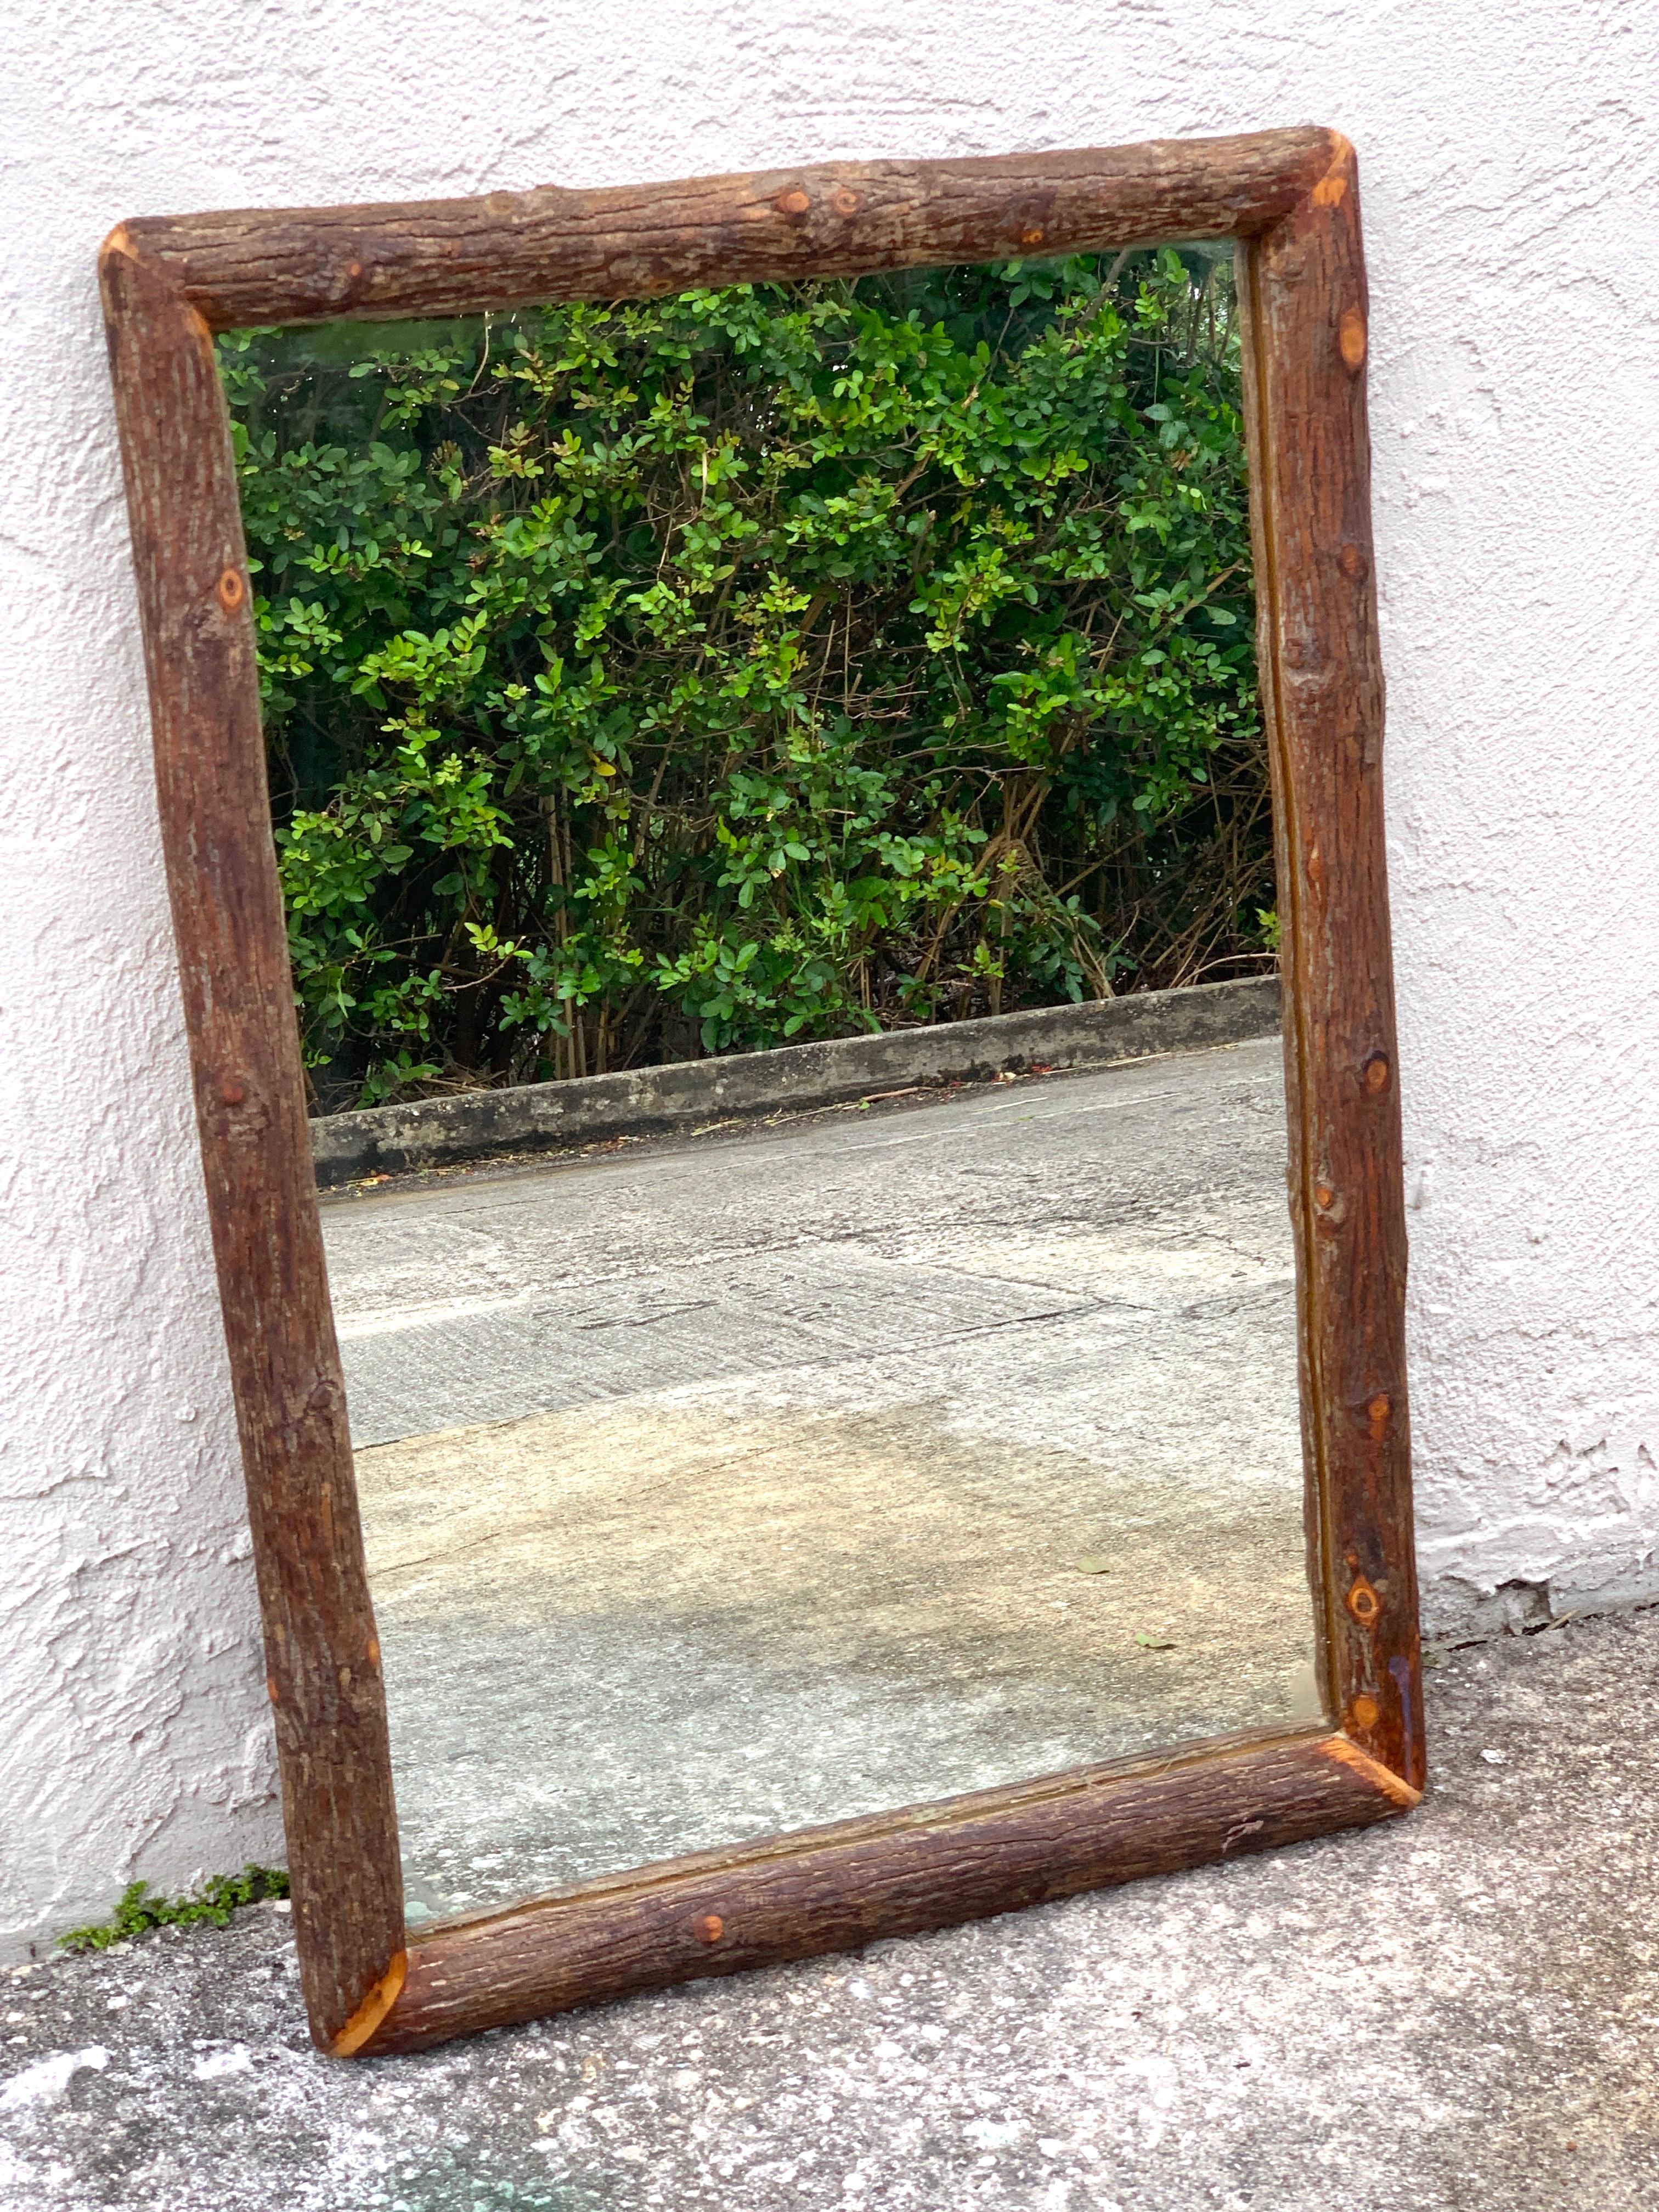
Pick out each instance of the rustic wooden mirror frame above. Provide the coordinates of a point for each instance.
(1290, 197)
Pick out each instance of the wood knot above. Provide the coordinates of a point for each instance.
(230, 590)
(1377, 1414)
(1364, 1603)
(247, 1116)
(709, 1928)
(1351, 338)
(1352, 563)
(844, 200)
(795, 201)
(1366, 1712)
(1031, 237)
(1324, 1197)
(270, 1690)
(1377, 1071)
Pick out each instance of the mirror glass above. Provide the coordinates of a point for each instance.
(651, 680)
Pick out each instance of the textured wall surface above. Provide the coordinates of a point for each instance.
(1509, 162)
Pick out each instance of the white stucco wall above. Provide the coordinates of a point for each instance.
(1509, 159)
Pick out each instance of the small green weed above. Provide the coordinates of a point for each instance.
(139, 1911)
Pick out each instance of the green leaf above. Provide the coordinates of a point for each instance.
(589, 627)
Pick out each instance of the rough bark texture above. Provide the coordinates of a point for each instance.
(323, 1660)
(832, 1889)
(1322, 696)
(167, 285)
(518, 249)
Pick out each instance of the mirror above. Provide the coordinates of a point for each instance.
(567, 778)
(735, 1485)
(706, 674)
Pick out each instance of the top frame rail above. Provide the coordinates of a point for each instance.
(291, 265)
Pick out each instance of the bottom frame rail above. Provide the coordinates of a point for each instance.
(837, 1888)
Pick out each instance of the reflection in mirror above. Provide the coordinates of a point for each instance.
(709, 674)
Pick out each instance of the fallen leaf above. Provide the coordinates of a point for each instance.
(1094, 1565)
(1154, 1643)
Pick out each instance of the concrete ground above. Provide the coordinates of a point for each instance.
(712, 1488)
(1458, 2011)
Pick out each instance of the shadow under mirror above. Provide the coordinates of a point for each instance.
(711, 674)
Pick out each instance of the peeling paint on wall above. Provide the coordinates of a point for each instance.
(1509, 168)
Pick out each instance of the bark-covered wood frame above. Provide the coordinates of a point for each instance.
(1291, 198)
